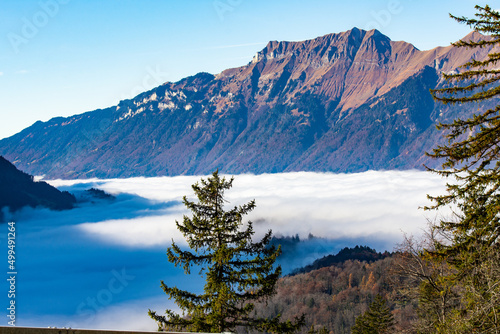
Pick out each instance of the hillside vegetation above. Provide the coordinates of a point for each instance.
(18, 189)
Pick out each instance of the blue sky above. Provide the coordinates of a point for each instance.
(65, 57)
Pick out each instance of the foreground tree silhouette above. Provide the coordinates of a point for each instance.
(237, 270)
(471, 156)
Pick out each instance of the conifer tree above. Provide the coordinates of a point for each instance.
(238, 271)
(471, 156)
(377, 320)
(322, 330)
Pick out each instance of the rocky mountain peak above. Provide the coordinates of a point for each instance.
(347, 101)
(474, 36)
(317, 47)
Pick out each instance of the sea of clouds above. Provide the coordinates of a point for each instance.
(100, 264)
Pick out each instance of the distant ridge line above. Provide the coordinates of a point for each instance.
(345, 102)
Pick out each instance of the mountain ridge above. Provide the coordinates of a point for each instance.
(344, 102)
(18, 189)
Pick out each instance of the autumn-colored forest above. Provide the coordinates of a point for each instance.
(333, 296)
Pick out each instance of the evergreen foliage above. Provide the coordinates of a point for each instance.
(322, 330)
(360, 253)
(418, 279)
(377, 320)
(471, 156)
(238, 271)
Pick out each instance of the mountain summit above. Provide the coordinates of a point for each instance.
(345, 102)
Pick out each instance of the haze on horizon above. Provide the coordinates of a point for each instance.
(66, 57)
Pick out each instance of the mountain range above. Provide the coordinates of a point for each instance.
(344, 102)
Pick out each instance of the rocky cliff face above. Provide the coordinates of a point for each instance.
(344, 102)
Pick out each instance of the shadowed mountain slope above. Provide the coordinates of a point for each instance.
(17, 189)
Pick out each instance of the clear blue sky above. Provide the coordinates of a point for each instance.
(65, 57)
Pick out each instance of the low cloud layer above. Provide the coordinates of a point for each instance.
(379, 205)
(99, 265)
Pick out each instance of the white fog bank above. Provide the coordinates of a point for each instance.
(379, 205)
(100, 265)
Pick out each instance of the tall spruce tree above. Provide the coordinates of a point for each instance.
(377, 320)
(472, 158)
(238, 271)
